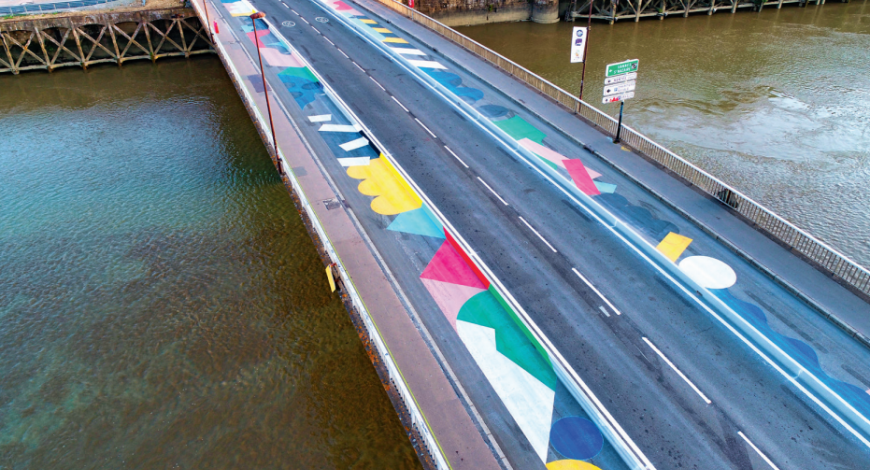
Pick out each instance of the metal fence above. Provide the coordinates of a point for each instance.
(798, 240)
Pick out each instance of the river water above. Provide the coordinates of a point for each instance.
(161, 303)
(775, 103)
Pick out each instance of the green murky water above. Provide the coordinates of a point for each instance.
(161, 303)
(776, 103)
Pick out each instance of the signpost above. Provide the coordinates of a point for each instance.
(619, 84)
(621, 68)
(578, 44)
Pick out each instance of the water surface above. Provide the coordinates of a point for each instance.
(161, 303)
(776, 104)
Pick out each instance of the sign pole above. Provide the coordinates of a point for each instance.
(619, 125)
(586, 50)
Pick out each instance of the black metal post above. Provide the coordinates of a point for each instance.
(619, 124)
(254, 19)
(586, 48)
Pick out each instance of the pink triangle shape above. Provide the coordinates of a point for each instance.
(448, 266)
(450, 297)
(581, 177)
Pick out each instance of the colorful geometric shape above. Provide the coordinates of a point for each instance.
(448, 266)
(709, 273)
(369, 21)
(576, 438)
(426, 64)
(240, 8)
(519, 129)
(581, 177)
(383, 30)
(275, 58)
(543, 152)
(449, 297)
(354, 161)
(485, 310)
(339, 128)
(417, 222)
(354, 144)
(393, 194)
(529, 401)
(259, 39)
(408, 51)
(471, 265)
(396, 40)
(568, 464)
(673, 245)
(300, 72)
(608, 188)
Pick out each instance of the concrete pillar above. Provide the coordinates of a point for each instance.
(545, 12)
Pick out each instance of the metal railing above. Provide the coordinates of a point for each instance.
(793, 237)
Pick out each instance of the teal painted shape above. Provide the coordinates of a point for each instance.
(483, 309)
(519, 129)
(419, 222)
(605, 187)
(301, 72)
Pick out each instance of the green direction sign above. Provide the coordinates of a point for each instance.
(621, 68)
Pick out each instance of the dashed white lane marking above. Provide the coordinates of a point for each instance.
(320, 118)
(327, 40)
(342, 53)
(490, 190)
(303, 19)
(678, 371)
(294, 11)
(315, 29)
(357, 66)
(400, 104)
(582, 278)
(536, 232)
(604, 311)
(774, 467)
(285, 5)
(378, 84)
(427, 129)
(456, 156)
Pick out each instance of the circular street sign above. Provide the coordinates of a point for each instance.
(288, 24)
(321, 19)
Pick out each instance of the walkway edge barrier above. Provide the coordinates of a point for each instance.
(807, 382)
(418, 420)
(825, 258)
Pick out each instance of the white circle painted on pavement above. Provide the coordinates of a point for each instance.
(709, 272)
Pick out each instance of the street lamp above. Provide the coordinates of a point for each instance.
(256, 16)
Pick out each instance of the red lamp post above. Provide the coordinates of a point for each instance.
(256, 16)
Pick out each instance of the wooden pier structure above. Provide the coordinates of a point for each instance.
(79, 40)
(615, 10)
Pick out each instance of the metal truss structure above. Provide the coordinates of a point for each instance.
(615, 10)
(51, 43)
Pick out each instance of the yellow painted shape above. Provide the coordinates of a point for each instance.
(396, 40)
(393, 194)
(570, 465)
(369, 21)
(383, 30)
(331, 279)
(674, 245)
